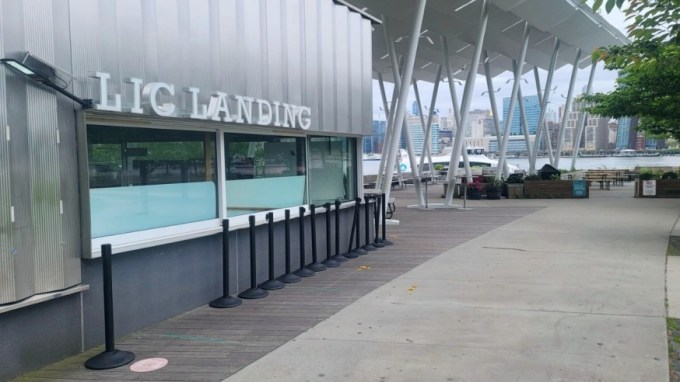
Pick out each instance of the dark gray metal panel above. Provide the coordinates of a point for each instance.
(366, 77)
(274, 45)
(68, 162)
(291, 31)
(21, 256)
(252, 44)
(310, 61)
(355, 45)
(85, 45)
(42, 128)
(38, 335)
(7, 290)
(327, 75)
(341, 59)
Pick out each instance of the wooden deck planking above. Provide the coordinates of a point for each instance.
(208, 344)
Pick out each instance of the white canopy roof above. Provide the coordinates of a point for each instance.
(573, 23)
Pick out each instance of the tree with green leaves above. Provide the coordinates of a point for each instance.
(649, 83)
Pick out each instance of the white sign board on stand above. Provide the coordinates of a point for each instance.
(649, 188)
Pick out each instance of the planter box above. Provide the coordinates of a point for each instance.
(515, 190)
(551, 189)
(665, 188)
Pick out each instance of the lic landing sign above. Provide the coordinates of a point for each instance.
(221, 107)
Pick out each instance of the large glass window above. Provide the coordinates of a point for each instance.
(332, 172)
(143, 178)
(263, 172)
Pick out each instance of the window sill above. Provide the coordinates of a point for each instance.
(43, 297)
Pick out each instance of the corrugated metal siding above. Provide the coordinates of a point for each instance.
(303, 52)
(40, 250)
(6, 243)
(367, 77)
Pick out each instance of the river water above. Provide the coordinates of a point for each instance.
(602, 163)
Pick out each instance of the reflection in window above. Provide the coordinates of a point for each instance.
(149, 178)
(332, 162)
(263, 172)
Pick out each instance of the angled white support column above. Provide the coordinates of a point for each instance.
(541, 116)
(425, 150)
(467, 98)
(427, 144)
(454, 101)
(492, 97)
(518, 67)
(523, 119)
(567, 107)
(385, 174)
(386, 137)
(580, 125)
(400, 112)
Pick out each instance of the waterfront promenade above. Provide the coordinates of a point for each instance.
(510, 290)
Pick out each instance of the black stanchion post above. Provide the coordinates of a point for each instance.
(357, 249)
(376, 220)
(303, 271)
(338, 257)
(110, 358)
(350, 254)
(368, 247)
(384, 220)
(329, 262)
(272, 283)
(254, 292)
(288, 277)
(315, 265)
(226, 301)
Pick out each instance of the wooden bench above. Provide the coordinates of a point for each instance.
(607, 177)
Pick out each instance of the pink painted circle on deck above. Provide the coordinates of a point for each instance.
(149, 364)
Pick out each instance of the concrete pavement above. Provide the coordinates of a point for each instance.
(572, 292)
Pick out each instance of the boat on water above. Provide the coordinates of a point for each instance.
(476, 156)
(634, 153)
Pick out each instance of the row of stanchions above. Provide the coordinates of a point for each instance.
(112, 358)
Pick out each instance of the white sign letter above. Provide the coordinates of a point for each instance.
(245, 109)
(304, 122)
(136, 94)
(219, 103)
(195, 114)
(151, 91)
(264, 118)
(104, 94)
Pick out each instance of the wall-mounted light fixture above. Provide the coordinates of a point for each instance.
(42, 73)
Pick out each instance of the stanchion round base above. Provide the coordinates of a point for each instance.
(339, 258)
(272, 284)
(330, 263)
(369, 248)
(109, 360)
(386, 242)
(304, 272)
(350, 255)
(253, 294)
(359, 251)
(378, 244)
(225, 302)
(289, 278)
(317, 267)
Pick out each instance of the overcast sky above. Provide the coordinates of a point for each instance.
(604, 81)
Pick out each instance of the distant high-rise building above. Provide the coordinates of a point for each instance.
(418, 136)
(532, 108)
(374, 142)
(626, 136)
(414, 108)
